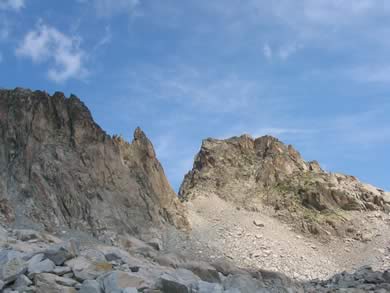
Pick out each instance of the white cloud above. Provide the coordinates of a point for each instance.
(109, 8)
(14, 5)
(282, 52)
(62, 52)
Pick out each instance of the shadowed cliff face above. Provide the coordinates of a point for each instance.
(250, 171)
(58, 167)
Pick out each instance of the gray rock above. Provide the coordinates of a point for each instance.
(179, 281)
(93, 255)
(155, 243)
(119, 255)
(130, 290)
(85, 269)
(68, 282)
(116, 281)
(60, 253)
(50, 283)
(2, 284)
(203, 270)
(171, 259)
(37, 258)
(11, 266)
(60, 271)
(206, 287)
(45, 266)
(244, 283)
(22, 282)
(90, 286)
(25, 234)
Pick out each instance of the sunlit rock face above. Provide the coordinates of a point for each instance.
(59, 168)
(253, 172)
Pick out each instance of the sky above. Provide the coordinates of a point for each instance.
(314, 73)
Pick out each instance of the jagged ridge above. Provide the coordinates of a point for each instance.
(58, 167)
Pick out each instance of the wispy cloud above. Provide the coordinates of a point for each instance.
(105, 39)
(280, 52)
(277, 131)
(62, 53)
(13, 5)
(200, 90)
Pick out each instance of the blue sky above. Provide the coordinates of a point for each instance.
(315, 73)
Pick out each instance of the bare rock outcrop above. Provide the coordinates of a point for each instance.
(251, 172)
(59, 168)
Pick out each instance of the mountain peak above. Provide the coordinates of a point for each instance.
(253, 172)
(59, 168)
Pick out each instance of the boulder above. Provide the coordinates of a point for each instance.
(60, 253)
(179, 281)
(116, 281)
(12, 266)
(93, 255)
(206, 287)
(22, 282)
(90, 286)
(244, 283)
(86, 269)
(50, 283)
(45, 266)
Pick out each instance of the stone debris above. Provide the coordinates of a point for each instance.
(87, 269)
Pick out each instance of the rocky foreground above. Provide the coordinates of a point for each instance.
(32, 261)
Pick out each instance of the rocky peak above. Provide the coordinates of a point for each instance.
(59, 168)
(253, 172)
(262, 160)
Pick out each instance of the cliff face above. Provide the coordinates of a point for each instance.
(250, 171)
(58, 167)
